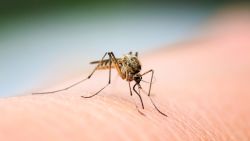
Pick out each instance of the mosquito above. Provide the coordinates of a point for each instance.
(128, 68)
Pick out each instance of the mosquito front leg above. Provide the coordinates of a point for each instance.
(109, 81)
(76, 82)
(157, 107)
(152, 75)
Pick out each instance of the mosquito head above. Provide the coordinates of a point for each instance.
(137, 77)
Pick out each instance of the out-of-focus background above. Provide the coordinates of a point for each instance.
(41, 41)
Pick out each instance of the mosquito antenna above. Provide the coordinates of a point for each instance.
(64, 89)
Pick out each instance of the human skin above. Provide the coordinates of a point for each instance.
(202, 85)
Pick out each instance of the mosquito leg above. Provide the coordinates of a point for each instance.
(152, 75)
(110, 62)
(134, 100)
(76, 82)
(97, 65)
(157, 107)
(139, 96)
(117, 66)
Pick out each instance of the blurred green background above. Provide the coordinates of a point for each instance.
(42, 40)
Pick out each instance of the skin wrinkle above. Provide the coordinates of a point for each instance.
(125, 121)
(88, 120)
(65, 117)
(207, 133)
(220, 123)
(190, 126)
(100, 107)
(222, 107)
(120, 129)
(42, 124)
(171, 123)
(18, 116)
(135, 115)
(67, 114)
(181, 128)
(192, 129)
(158, 125)
(227, 125)
(47, 119)
(206, 118)
(196, 126)
(101, 114)
(179, 119)
(225, 128)
(159, 122)
(128, 122)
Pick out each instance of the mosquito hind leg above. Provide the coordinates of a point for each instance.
(64, 89)
(109, 81)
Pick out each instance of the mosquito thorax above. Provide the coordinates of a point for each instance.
(130, 65)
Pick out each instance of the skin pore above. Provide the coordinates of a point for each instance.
(202, 85)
